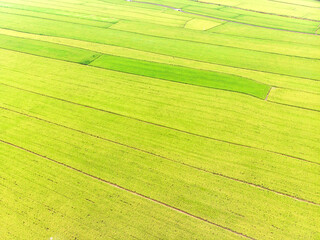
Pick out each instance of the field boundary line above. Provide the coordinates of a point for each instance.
(55, 14)
(256, 11)
(266, 99)
(61, 20)
(294, 106)
(162, 126)
(289, 3)
(80, 11)
(227, 20)
(128, 190)
(213, 44)
(163, 157)
(298, 90)
(219, 64)
(91, 61)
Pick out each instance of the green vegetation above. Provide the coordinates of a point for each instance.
(183, 75)
(129, 120)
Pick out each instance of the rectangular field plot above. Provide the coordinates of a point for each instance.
(183, 75)
(199, 24)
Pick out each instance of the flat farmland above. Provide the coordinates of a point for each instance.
(159, 119)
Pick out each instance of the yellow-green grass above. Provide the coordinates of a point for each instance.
(41, 199)
(267, 78)
(200, 24)
(270, 7)
(307, 68)
(278, 46)
(99, 138)
(145, 68)
(264, 33)
(295, 98)
(254, 18)
(63, 16)
(307, 3)
(117, 11)
(274, 21)
(202, 194)
(261, 16)
(283, 129)
(280, 174)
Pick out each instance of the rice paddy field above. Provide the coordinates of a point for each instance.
(159, 119)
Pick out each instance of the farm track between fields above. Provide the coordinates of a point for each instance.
(266, 99)
(227, 20)
(162, 126)
(294, 106)
(256, 11)
(128, 190)
(163, 157)
(296, 4)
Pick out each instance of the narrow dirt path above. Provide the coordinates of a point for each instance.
(266, 99)
(296, 4)
(216, 18)
(256, 11)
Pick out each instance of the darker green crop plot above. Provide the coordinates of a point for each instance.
(183, 75)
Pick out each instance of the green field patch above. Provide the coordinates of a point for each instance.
(295, 98)
(46, 49)
(183, 75)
